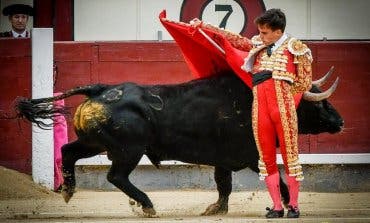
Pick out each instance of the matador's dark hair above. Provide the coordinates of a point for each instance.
(273, 18)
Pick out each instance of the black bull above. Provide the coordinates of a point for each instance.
(205, 121)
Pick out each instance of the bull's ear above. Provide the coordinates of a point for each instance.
(309, 96)
(322, 81)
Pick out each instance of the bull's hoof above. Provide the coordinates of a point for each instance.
(67, 196)
(67, 193)
(141, 211)
(149, 212)
(215, 209)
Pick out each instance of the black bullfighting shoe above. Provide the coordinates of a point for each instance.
(293, 212)
(274, 213)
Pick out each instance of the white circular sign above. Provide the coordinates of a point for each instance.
(225, 14)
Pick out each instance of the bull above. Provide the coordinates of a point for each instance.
(205, 121)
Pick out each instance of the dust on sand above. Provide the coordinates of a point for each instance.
(15, 185)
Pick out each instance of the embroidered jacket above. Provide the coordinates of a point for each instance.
(291, 62)
(237, 41)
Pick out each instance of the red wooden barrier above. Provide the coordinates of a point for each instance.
(351, 61)
(15, 76)
(80, 63)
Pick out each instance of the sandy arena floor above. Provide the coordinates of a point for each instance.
(23, 201)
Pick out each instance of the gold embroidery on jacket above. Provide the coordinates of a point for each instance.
(256, 41)
(289, 124)
(261, 164)
(276, 63)
(302, 59)
(303, 79)
(236, 40)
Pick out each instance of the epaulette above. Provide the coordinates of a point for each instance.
(296, 47)
(256, 41)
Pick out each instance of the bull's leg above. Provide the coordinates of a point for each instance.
(223, 180)
(72, 152)
(118, 176)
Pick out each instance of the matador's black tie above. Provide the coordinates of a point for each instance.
(269, 49)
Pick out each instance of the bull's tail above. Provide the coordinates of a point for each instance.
(39, 110)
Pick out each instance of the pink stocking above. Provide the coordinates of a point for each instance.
(273, 186)
(293, 186)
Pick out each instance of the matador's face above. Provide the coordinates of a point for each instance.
(269, 36)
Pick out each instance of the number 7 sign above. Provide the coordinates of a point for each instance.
(233, 15)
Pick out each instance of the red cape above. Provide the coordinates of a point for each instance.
(202, 57)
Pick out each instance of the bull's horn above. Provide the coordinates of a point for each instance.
(323, 80)
(309, 96)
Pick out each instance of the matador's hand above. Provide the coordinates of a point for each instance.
(196, 23)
